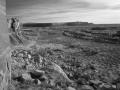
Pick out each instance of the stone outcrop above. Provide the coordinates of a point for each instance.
(15, 29)
(5, 71)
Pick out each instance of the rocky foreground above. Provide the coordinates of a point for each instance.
(36, 70)
(58, 60)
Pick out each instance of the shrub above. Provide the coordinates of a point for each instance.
(98, 28)
(118, 33)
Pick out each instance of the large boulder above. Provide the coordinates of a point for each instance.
(37, 81)
(57, 70)
(36, 74)
(86, 87)
(14, 25)
(106, 87)
(26, 76)
(70, 88)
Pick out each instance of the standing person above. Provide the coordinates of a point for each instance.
(5, 70)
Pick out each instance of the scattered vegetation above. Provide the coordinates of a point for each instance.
(68, 58)
(98, 28)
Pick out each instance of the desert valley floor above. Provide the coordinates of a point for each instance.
(67, 58)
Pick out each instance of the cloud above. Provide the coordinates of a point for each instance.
(116, 7)
(64, 10)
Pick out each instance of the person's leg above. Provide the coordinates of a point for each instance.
(5, 69)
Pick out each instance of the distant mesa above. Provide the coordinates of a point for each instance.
(73, 23)
(56, 24)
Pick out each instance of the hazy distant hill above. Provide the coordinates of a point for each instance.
(37, 24)
(56, 24)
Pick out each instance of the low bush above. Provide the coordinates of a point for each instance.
(117, 34)
(98, 28)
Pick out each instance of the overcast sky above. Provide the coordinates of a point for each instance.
(96, 11)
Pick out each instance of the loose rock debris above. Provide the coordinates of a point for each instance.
(30, 70)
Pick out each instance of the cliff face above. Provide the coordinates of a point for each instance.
(4, 48)
(4, 40)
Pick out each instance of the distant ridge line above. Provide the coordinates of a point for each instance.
(56, 24)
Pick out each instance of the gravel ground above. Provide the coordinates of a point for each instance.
(68, 63)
